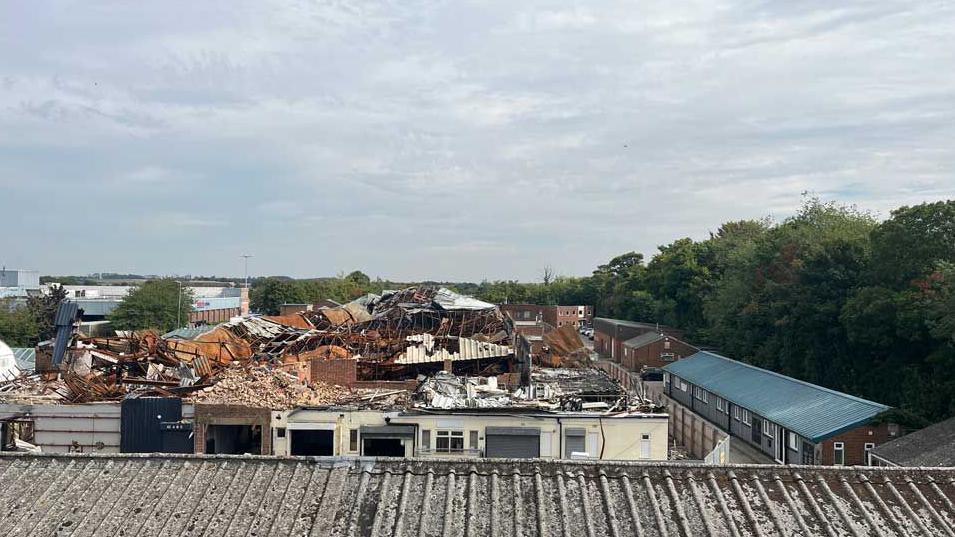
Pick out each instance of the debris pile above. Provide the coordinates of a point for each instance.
(263, 387)
(395, 336)
(551, 390)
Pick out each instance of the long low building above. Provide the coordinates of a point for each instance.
(506, 433)
(790, 421)
(266, 497)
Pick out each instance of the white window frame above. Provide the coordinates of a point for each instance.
(793, 441)
(867, 452)
(840, 448)
(719, 403)
(666, 377)
(767, 428)
(449, 435)
(736, 412)
(683, 385)
(646, 446)
(747, 418)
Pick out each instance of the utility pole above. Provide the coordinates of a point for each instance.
(179, 307)
(246, 257)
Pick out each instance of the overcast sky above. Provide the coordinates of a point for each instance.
(451, 140)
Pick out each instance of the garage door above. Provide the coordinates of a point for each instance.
(512, 442)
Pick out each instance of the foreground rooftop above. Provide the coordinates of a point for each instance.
(267, 496)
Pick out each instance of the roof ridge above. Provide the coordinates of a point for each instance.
(792, 379)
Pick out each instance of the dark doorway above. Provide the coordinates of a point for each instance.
(313, 442)
(382, 447)
(234, 439)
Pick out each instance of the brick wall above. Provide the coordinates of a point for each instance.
(854, 443)
(340, 372)
(649, 355)
(214, 316)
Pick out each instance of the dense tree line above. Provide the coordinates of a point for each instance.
(830, 295)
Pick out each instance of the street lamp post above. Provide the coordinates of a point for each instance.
(179, 307)
(246, 257)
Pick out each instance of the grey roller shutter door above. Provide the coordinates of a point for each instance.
(512, 442)
(574, 442)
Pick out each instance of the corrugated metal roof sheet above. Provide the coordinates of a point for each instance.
(931, 446)
(264, 496)
(25, 358)
(643, 339)
(811, 411)
(66, 314)
(188, 332)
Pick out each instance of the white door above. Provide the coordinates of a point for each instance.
(644, 446)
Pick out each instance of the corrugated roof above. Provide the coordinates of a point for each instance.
(265, 496)
(66, 314)
(25, 358)
(627, 323)
(811, 411)
(931, 446)
(643, 339)
(188, 332)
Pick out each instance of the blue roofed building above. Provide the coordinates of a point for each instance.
(788, 420)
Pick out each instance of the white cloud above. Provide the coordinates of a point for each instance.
(403, 137)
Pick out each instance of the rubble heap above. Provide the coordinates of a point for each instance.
(394, 336)
(263, 387)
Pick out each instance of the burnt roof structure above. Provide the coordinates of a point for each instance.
(267, 496)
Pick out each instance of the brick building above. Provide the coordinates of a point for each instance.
(788, 420)
(610, 334)
(556, 316)
(654, 349)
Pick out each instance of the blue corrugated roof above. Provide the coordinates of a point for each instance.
(811, 411)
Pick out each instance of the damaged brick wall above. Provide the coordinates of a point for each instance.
(340, 372)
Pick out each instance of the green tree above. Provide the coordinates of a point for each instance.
(157, 304)
(17, 325)
(43, 308)
(268, 294)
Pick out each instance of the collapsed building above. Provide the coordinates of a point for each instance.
(422, 371)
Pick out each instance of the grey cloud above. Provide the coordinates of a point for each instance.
(460, 140)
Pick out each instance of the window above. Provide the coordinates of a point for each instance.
(700, 394)
(666, 377)
(767, 429)
(869, 446)
(838, 453)
(353, 440)
(793, 442)
(425, 439)
(473, 440)
(449, 441)
(682, 385)
(666, 344)
(746, 417)
(280, 432)
(736, 412)
(719, 404)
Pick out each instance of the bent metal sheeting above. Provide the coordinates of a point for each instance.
(266, 496)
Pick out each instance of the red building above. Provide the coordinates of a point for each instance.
(556, 316)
